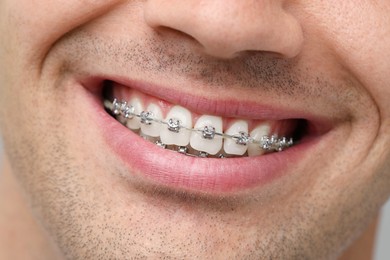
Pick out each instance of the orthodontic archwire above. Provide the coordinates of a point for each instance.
(266, 142)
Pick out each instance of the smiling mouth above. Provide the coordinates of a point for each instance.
(208, 146)
(178, 129)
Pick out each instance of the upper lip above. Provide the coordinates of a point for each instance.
(224, 107)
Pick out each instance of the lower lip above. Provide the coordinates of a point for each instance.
(168, 168)
(172, 169)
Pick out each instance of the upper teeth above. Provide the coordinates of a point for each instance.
(177, 119)
(206, 136)
(238, 144)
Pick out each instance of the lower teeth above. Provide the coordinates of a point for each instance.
(122, 112)
(186, 150)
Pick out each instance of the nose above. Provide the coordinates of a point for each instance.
(226, 28)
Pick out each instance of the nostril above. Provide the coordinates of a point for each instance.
(168, 33)
(227, 30)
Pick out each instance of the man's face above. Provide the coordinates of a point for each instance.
(317, 71)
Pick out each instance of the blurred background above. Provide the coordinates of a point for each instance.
(383, 239)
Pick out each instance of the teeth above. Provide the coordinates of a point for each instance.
(135, 123)
(257, 134)
(118, 109)
(154, 128)
(173, 135)
(205, 140)
(236, 146)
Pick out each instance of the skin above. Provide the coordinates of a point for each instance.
(74, 198)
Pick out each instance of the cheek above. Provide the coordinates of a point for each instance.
(359, 33)
(33, 28)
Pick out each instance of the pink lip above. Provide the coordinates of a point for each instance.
(168, 168)
(225, 108)
(183, 172)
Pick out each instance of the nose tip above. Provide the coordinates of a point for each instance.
(225, 29)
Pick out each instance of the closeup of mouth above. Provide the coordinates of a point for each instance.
(175, 128)
(191, 143)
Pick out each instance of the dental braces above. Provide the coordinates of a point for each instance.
(267, 143)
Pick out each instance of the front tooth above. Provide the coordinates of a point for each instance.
(154, 128)
(135, 123)
(231, 146)
(182, 137)
(211, 145)
(254, 149)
